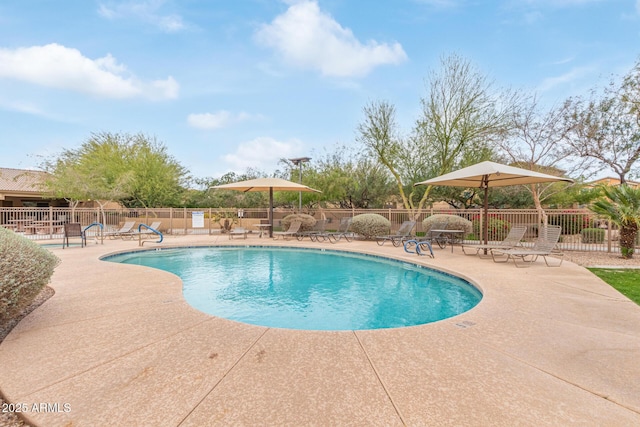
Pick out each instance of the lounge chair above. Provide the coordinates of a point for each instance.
(318, 229)
(435, 234)
(124, 231)
(544, 246)
(343, 231)
(73, 229)
(511, 241)
(403, 234)
(293, 229)
(238, 231)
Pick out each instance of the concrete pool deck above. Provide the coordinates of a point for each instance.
(118, 345)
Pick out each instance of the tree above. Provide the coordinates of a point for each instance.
(348, 179)
(157, 178)
(606, 127)
(462, 118)
(208, 196)
(95, 171)
(379, 133)
(134, 170)
(536, 143)
(631, 90)
(622, 207)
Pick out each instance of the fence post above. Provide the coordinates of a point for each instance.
(609, 235)
(171, 221)
(50, 222)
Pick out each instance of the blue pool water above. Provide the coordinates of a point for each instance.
(310, 289)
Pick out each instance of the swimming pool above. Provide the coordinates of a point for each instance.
(310, 289)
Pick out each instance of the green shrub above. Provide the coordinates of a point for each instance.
(307, 221)
(370, 225)
(592, 235)
(25, 268)
(455, 222)
(498, 229)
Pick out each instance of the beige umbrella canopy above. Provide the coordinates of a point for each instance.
(490, 174)
(266, 184)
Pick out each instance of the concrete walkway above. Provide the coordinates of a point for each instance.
(117, 345)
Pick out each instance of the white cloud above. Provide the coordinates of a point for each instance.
(66, 68)
(262, 153)
(309, 38)
(147, 11)
(218, 120)
(564, 79)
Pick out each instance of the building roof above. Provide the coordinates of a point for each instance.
(612, 181)
(21, 181)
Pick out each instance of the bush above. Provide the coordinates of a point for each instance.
(307, 221)
(25, 269)
(370, 225)
(571, 223)
(498, 229)
(455, 222)
(592, 235)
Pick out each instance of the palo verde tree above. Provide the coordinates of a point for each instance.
(380, 134)
(462, 118)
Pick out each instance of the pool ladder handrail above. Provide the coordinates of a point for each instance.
(418, 245)
(94, 224)
(153, 230)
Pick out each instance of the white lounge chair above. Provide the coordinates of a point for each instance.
(511, 241)
(294, 227)
(544, 246)
(124, 232)
(238, 231)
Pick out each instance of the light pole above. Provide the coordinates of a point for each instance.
(298, 162)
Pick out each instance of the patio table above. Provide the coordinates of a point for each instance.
(262, 227)
(452, 236)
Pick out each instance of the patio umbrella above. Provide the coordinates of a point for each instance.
(266, 184)
(490, 174)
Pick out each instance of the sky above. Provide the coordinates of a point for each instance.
(228, 85)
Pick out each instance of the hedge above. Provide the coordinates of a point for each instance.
(370, 225)
(307, 221)
(25, 268)
(592, 235)
(454, 222)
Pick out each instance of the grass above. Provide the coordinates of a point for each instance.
(626, 281)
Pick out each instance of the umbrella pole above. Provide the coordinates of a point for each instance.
(485, 222)
(271, 211)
